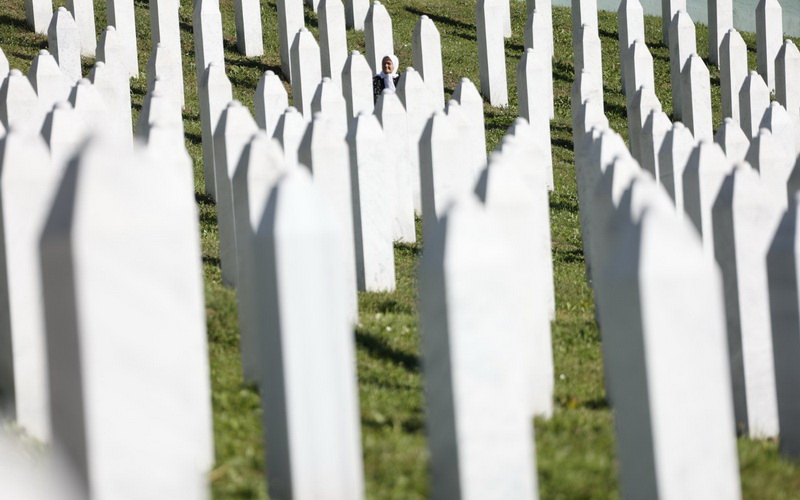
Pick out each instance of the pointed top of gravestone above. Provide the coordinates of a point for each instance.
(423, 16)
(62, 9)
(290, 110)
(326, 79)
(15, 72)
(355, 53)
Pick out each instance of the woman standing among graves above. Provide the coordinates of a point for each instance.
(387, 78)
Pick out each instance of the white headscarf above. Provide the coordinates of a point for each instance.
(388, 80)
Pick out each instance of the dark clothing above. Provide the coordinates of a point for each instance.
(378, 86)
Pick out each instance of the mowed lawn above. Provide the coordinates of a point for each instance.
(575, 449)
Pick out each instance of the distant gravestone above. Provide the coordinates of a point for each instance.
(668, 10)
(732, 73)
(38, 14)
(479, 434)
(207, 30)
(720, 20)
(165, 30)
(356, 13)
(778, 121)
(769, 38)
(745, 220)
(392, 115)
(99, 235)
(538, 34)
(162, 65)
(696, 105)
(766, 156)
(673, 158)
(732, 140)
(491, 52)
(233, 132)
(83, 13)
(215, 92)
(120, 14)
(787, 84)
(640, 70)
(656, 126)
(332, 38)
(427, 45)
(64, 43)
(159, 108)
(532, 83)
(270, 101)
(589, 58)
(419, 107)
(682, 44)
(536, 152)
(472, 110)
(88, 102)
(309, 362)
(249, 37)
(460, 122)
(289, 132)
(630, 17)
(112, 83)
(583, 12)
(328, 99)
(65, 132)
(19, 106)
(643, 102)
(378, 36)
(357, 85)
(47, 79)
(754, 99)
(375, 270)
(290, 20)
(307, 71)
(109, 49)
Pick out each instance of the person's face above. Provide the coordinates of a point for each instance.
(388, 67)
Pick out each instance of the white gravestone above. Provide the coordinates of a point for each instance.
(372, 221)
(472, 109)
(530, 87)
(307, 71)
(720, 20)
(99, 236)
(332, 38)
(544, 10)
(673, 157)
(249, 37)
(630, 16)
(656, 126)
(64, 43)
(158, 107)
(665, 351)
(3, 65)
(589, 58)
(378, 36)
(290, 20)
(161, 64)
(27, 188)
(88, 102)
(754, 99)
(207, 30)
(696, 100)
(682, 44)
(491, 52)
(745, 221)
(767, 157)
(355, 12)
(328, 99)
(538, 153)
(214, 94)
(644, 101)
(427, 45)
(83, 13)
(778, 121)
(270, 101)
(120, 14)
(640, 70)
(19, 105)
(419, 107)
(234, 130)
(38, 14)
(112, 83)
(357, 85)
(312, 433)
(583, 12)
(64, 132)
(109, 50)
(460, 121)
(732, 73)
(392, 115)
(260, 166)
(668, 10)
(165, 29)
(705, 172)
(479, 432)
(787, 84)
(769, 38)
(47, 79)
(732, 140)
(324, 151)
(289, 131)
(539, 34)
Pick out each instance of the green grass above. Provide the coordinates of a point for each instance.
(575, 449)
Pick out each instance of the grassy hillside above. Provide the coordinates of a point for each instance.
(576, 457)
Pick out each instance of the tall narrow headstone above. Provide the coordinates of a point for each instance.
(207, 30)
(290, 20)
(460, 122)
(427, 45)
(583, 12)
(643, 102)
(112, 83)
(682, 44)
(754, 100)
(215, 93)
(249, 37)
(19, 105)
(307, 71)
(472, 109)
(668, 10)
(630, 17)
(696, 105)
(64, 43)
(640, 70)
(479, 434)
(539, 34)
(372, 223)
(532, 83)
(589, 58)
(310, 405)
(766, 155)
(769, 38)
(732, 73)
(656, 126)
(491, 52)
(165, 30)
(289, 131)
(65, 133)
(732, 140)
(419, 107)
(88, 102)
(778, 121)
(329, 100)
(356, 13)
(47, 79)
(332, 38)
(787, 84)
(120, 14)
(673, 158)
(270, 101)
(378, 36)
(38, 14)
(109, 49)
(83, 13)
(162, 65)
(745, 221)
(720, 20)
(357, 85)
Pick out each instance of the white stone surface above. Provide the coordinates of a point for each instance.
(472, 110)
(65, 132)
(673, 158)
(479, 432)
(419, 107)
(165, 29)
(630, 17)
(357, 85)
(668, 10)
(539, 33)
(233, 132)
(732, 73)
(745, 221)
(754, 100)
(427, 46)
(215, 92)
(325, 152)
(329, 100)
(26, 190)
(696, 105)
(3, 65)
(682, 44)
(378, 36)
(19, 105)
(769, 38)
(120, 14)
(787, 83)
(207, 30)
(543, 11)
(589, 58)
(640, 70)
(732, 140)
(464, 130)
(162, 65)
(112, 83)
(332, 38)
(310, 396)
(38, 14)
(355, 12)
(289, 131)
(533, 83)
(392, 116)
(47, 79)
(307, 71)
(372, 221)
(766, 155)
(64, 43)
(536, 151)
(583, 12)
(290, 20)
(109, 49)
(260, 166)
(491, 52)
(249, 37)
(88, 102)
(655, 129)
(159, 108)
(778, 121)
(270, 101)
(83, 13)
(128, 224)
(720, 20)
(642, 103)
